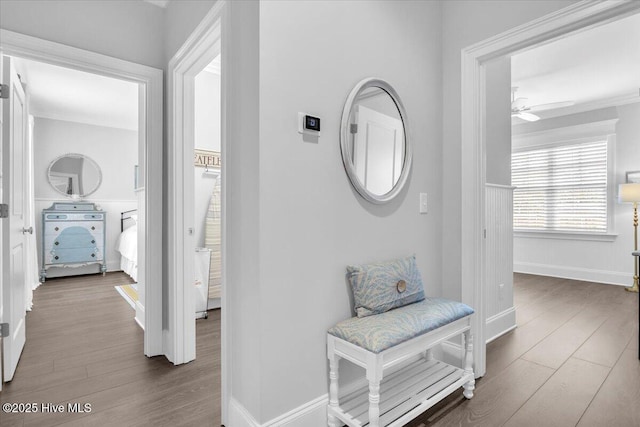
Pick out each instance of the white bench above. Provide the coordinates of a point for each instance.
(382, 341)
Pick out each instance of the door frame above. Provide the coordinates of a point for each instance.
(202, 46)
(149, 136)
(577, 17)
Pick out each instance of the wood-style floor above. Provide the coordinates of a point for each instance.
(83, 346)
(572, 361)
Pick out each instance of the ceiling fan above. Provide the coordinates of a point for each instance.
(520, 108)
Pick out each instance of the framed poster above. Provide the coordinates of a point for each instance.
(633, 177)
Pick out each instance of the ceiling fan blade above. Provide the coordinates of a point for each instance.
(519, 104)
(551, 106)
(526, 116)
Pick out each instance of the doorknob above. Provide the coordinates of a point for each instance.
(27, 230)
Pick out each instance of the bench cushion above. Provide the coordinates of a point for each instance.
(382, 331)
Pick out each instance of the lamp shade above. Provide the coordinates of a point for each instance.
(628, 193)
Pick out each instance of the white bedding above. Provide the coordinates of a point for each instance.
(127, 245)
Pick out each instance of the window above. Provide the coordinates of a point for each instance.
(561, 188)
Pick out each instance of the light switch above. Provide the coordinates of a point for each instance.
(423, 203)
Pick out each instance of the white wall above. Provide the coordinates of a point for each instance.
(498, 120)
(242, 173)
(206, 137)
(310, 222)
(129, 30)
(466, 23)
(181, 17)
(597, 261)
(114, 150)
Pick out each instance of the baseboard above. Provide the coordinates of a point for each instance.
(452, 353)
(213, 303)
(239, 416)
(575, 273)
(140, 314)
(167, 347)
(313, 413)
(113, 266)
(500, 324)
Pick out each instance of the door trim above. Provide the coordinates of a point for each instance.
(577, 17)
(150, 107)
(202, 46)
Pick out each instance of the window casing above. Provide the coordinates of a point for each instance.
(563, 185)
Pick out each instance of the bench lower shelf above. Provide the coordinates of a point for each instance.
(404, 394)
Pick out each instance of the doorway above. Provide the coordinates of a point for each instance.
(474, 58)
(202, 50)
(149, 105)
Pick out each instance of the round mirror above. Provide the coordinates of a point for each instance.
(74, 175)
(375, 147)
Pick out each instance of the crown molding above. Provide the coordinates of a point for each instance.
(614, 101)
(160, 3)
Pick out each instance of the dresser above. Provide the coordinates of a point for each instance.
(73, 236)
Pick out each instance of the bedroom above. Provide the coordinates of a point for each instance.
(83, 193)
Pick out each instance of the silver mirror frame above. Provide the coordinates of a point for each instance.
(344, 141)
(80, 196)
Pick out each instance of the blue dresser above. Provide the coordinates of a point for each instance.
(73, 236)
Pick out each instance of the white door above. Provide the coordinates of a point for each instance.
(14, 135)
(378, 150)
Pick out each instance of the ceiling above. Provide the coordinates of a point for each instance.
(159, 3)
(595, 68)
(65, 94)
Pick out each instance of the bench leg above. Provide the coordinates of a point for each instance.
(470, 385)
(333, 389)
(374, 403)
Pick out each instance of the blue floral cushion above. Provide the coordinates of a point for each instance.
(383, 331)
(379, 287)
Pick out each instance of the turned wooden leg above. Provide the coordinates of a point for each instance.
(374, 403)
(470, 385)
(333, 390)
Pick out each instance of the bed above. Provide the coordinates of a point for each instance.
(127, 243)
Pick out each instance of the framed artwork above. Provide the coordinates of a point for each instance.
(633, 177)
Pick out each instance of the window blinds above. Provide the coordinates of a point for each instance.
(561, 188)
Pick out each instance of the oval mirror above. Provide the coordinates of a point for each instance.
(74, 175)
(375, 146)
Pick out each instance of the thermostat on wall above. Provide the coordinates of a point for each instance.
(308, 124)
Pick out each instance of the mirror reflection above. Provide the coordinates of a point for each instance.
(377, 143)
(74, 175)
(374, 141)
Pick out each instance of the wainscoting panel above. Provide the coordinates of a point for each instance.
(499, 260)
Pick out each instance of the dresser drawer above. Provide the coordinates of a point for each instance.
(79, 240)
(73, 255)
(57, 227)
(62, 216)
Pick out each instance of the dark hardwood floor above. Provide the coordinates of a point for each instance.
(83, 346)
(572, 361)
